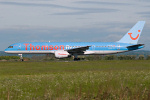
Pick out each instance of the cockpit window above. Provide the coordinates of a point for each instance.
(10, 47)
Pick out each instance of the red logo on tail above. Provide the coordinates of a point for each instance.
(135, 37)
(132, 37)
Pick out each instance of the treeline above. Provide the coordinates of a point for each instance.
(93, 57)
(9, 57)
(12, 58)
(89, 57)
(120, 57)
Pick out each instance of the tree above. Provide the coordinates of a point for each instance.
(148, 57)
(141, 57)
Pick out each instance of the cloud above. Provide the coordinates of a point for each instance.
(34, 5)
(144, 0)
(145, 14)
(45, 5)
(78, 10)
(101, 3)
(84, 11)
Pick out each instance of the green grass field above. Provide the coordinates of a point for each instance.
(84, 80)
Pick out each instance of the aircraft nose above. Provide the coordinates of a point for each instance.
(6, 50)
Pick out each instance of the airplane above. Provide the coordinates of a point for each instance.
(128, 42)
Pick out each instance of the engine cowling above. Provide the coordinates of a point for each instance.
(62, 54)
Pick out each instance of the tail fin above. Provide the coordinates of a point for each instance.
(133, 35)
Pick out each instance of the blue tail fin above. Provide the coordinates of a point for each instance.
(133, 35)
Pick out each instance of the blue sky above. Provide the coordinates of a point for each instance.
(71, 20)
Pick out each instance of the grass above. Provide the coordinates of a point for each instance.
(87, 80)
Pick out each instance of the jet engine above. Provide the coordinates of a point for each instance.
(62, 54)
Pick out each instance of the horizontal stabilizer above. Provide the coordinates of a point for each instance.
(137, 45)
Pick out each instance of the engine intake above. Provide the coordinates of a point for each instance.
(62, 54)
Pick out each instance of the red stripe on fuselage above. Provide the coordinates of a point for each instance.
(62, 54)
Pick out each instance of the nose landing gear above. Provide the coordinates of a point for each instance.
(21, 58)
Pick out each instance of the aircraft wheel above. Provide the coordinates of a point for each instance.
(76, 59)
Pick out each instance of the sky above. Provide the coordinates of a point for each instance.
(71, 20)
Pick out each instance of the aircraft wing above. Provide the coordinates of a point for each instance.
(78, 50)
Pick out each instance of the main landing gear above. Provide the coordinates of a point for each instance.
(76, 57)
(21, 58)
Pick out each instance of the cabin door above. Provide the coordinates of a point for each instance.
(118, 47)
(93, 47)
(19, 46)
